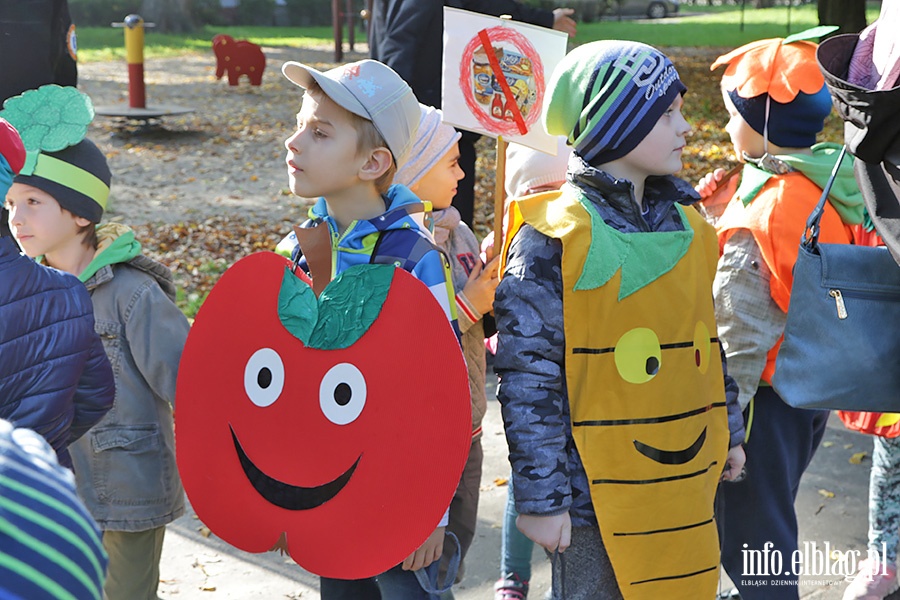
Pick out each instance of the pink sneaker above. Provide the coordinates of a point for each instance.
(871, 583)
(511, 588)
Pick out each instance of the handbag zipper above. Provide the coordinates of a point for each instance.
(842, 308)
(839, 301)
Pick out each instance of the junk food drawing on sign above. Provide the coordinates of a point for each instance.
(494, 82)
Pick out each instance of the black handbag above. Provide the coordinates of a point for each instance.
(841, 347)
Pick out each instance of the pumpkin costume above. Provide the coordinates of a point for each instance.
(778, 92)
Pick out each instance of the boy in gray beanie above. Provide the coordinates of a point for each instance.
(618, 413)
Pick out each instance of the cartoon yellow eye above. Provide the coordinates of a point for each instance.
(638, 355)
(701, 346)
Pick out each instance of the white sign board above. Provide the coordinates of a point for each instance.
(495, 75)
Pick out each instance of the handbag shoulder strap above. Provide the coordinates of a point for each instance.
(811, 233)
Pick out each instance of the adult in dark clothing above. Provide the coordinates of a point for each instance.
(54, 374)
(407, 35)
(37, 46)
(870, 108)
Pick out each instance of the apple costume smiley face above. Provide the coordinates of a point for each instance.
(341, 421)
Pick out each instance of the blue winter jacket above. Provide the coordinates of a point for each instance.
(54, 375)
(399, 236)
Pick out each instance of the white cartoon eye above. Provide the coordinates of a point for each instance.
(342, 393)
(264, 377)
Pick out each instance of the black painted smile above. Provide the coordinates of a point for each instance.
(288, 496)
(672, 457)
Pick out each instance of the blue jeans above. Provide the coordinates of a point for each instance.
(515, 548)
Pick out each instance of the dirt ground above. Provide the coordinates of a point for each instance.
(225, 156)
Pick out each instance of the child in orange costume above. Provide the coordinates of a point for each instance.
(777, 102)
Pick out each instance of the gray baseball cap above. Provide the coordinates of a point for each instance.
(371, 90)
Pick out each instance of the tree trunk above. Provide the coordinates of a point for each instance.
(849, 15)
(170, 16)
(763, 3)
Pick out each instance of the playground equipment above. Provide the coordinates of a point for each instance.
(238, 57)
(137, 108)
(338, 17)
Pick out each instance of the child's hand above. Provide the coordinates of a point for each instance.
(718, 187)
(550, 532)
(427, 553)
(734, 464)
(487, 247)
(479, 289)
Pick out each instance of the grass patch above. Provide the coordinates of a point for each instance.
(699, 26)
(708, 26)
(108, 43)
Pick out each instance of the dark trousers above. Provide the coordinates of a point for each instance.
(395, 584)
(760, 509)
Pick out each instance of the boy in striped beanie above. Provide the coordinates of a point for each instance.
(620, 418)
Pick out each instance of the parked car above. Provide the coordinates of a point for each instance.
(654, 9)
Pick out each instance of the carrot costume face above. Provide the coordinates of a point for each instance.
(646, 390)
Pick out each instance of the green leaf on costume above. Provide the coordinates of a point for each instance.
(298, 309)
(813, 33)
(342, 314)
(350, 304)
(50, 118)
(642, 257)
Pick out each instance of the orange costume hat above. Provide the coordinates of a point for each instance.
(776, 85)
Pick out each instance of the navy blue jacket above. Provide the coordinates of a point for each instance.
(407, 35)
(54, 375)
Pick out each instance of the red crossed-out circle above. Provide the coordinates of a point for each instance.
(497, 35)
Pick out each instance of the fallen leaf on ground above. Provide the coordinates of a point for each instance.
(827, 444)
(826, 493)
(500, 481)
(857, 458)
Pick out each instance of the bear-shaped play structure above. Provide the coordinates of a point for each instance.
(238, 57)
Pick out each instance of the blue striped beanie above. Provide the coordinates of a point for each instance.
(606, 96)
(49, 545)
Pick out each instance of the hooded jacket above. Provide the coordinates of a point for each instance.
(125, 466)
(54, 376)
(455, 238)
(399, 236)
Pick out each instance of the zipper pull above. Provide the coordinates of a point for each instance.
(839, 301)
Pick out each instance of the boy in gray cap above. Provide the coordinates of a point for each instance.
(357, 122)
